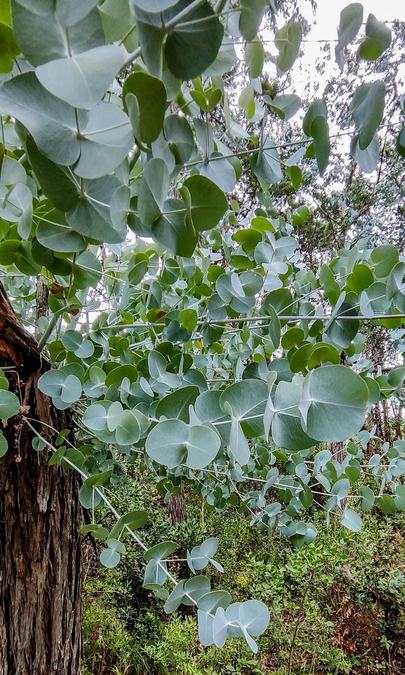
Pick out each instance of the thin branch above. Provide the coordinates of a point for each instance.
(249, 319)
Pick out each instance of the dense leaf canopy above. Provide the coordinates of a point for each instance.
(179, 328)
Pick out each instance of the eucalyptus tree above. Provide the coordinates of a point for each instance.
(167, 325)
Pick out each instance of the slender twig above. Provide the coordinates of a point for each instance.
(51, 326)
(250, 319)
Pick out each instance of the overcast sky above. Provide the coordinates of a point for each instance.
(328, 12)
(324, 27)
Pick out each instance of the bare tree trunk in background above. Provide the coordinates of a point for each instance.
(337, 450)
(40, 517)
(387, 425)
(177, 508)
(377, 419)
(42, 294)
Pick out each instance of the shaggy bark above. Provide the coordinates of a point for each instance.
(177, 509)
(40, 517)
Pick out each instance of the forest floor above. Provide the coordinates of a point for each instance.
(337, 605)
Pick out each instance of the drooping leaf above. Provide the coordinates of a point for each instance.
(266, 164)
(238, 445)
(284, 105)
(396, 286)
(246, 401)
(288, 42)
(255, 56)
(366, 159)
(315, 124)
(174, 229)
(250, 18)
(151, 98)
(352, 520)
(152, 191)
(16, 207)
(187, 592)
(351, 18)
(8, 48)
(133, 520)
(205, 202)
(56, 181)
(378, 39)
(285, 418)
(367, 109)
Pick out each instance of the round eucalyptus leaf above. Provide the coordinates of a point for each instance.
(89, 497)
(211, 601)
(50, 121)
(333, 404)
(172, 442)
(247, 400)
(160, 551)
(367, 110)
(205, 201)
(352, 520)
(92, 217)
(176, 405)
(58, 236)
(50, 383)
(9, 404)
(114, 414)
(64, 388)
(179, 136)
(3, 444)
(85, 350)
(203, 445)
(71, 340)
(95, 142)
(378, 39)
(82, 79)
(155, 5)
(166, 443)
(286, 427)
(55, 30)
(288, 41)
(127, 431)
(95, 416)
(192, 45)
(71, 389)
(109, 558)
(105, 140)
(133, 520)
(254, 616)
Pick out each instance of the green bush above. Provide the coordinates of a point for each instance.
(336, 605)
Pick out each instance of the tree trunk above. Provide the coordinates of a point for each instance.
(176, 507)
(40, 517)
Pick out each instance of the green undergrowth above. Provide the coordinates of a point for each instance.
(337, 605)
